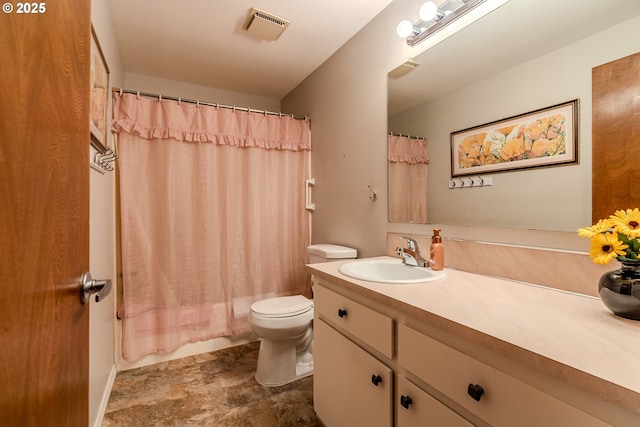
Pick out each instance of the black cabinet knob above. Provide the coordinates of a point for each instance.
(475, 391)
(342, 313)
(405, 401)
(376, 379)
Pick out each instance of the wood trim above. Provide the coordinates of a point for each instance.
(616, 136)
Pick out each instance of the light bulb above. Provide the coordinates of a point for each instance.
(428, 11)
(404, 28)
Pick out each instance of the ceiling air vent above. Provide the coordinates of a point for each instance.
(264, 25)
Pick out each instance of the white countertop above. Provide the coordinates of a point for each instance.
(574, 336)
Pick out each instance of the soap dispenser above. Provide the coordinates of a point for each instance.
(436, 252)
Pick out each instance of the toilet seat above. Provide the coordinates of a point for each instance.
(279, 307)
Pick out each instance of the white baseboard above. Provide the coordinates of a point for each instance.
(105, 397)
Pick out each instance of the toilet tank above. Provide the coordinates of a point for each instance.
(327, 252)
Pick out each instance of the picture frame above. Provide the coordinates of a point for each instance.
(540, 138)
(98, 95)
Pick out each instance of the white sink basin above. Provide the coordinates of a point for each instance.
(389, 271)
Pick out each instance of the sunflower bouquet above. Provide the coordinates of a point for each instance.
(615, 237)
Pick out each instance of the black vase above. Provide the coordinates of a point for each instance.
(620, 291)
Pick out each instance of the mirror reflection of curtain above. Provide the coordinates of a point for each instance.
(213, 218)
(407, 169)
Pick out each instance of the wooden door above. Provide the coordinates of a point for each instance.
(44, 209)
(616, 136)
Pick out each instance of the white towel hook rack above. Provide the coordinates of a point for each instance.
(101, 161)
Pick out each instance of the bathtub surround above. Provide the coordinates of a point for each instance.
(213, 218)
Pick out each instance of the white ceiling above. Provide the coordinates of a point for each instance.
(516, 32)
(202, 41)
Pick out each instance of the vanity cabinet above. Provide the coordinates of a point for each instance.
(351, 387)
(358, 321)
(372, 369)
(492, 395)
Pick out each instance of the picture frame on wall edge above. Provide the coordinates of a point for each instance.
(98, 95)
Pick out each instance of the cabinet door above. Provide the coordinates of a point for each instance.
(416, 408)
(503, 401)
(351, 388)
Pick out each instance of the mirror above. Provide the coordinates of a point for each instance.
(517, 59)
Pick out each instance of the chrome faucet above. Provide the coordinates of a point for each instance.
(411, 254)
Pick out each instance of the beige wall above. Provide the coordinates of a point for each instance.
(346, 99)
(102, 368)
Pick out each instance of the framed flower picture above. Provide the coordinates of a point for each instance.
(98, 95)
(545, 137)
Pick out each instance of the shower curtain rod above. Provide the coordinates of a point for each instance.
(407, 136)
(210, 104)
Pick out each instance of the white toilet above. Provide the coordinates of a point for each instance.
(285, 326)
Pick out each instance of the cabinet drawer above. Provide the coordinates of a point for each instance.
(416, 408)
(373, 328)
(350, 387)
(505, 401)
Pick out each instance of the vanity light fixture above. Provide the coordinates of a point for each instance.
(434, 17)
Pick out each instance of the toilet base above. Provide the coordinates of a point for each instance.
(280, 364)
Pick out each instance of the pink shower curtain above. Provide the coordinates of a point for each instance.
(213, 218)
(407, 170)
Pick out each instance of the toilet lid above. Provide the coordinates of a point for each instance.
(282, 306)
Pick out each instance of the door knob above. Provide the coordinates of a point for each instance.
(91, 286)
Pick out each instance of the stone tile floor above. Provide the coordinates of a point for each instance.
(212, 389)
